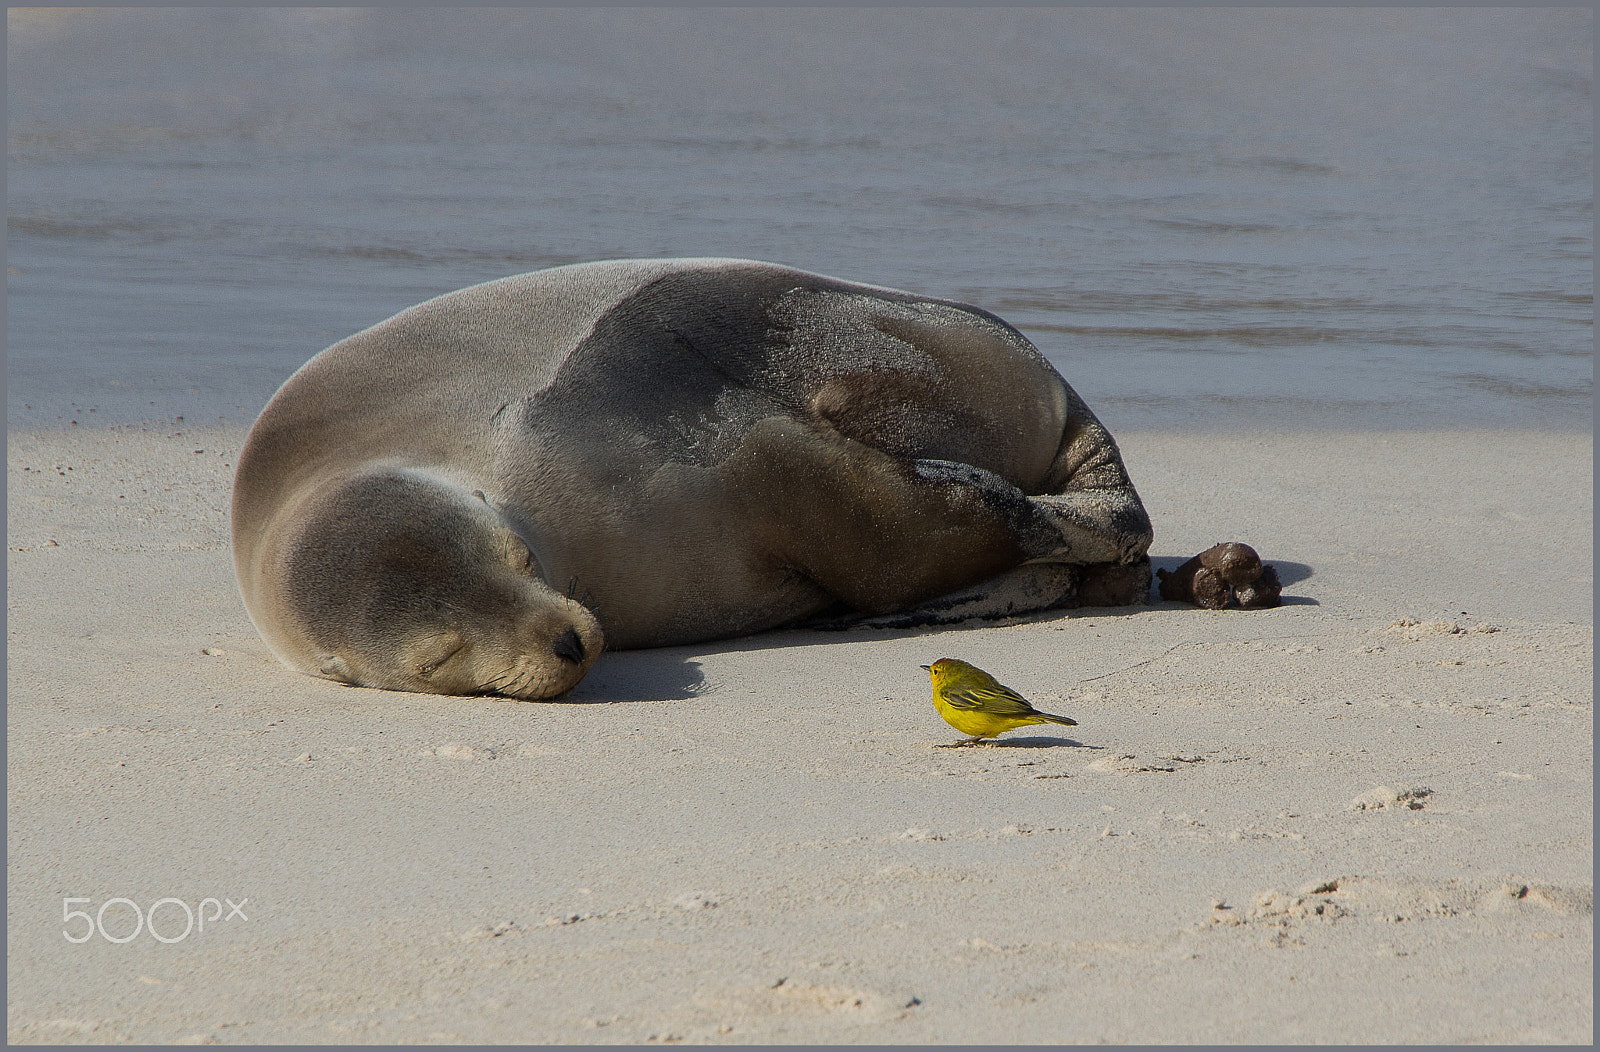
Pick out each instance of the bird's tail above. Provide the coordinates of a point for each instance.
(1045, 717)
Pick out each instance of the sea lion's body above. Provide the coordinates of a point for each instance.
(691, 449)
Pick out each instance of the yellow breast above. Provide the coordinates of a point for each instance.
(978, 724)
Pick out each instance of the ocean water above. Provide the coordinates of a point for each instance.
(1206, 218)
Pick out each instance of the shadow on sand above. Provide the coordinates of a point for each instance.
(1288, 574)
(1024, 743)
(640, 676)
(672, 674)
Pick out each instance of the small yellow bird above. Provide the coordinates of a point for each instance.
(975, 703)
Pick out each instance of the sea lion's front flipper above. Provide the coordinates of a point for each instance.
(875, 531)
(883, 534)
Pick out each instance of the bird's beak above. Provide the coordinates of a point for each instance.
(928, 667)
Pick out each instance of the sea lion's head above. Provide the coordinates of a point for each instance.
(393, 578)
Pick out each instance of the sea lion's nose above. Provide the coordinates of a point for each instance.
(569, 646)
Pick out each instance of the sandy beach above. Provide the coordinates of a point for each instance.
(1365, 816)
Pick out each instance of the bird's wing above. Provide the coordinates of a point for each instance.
(1001, 701)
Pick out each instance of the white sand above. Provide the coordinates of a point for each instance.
(757, 842)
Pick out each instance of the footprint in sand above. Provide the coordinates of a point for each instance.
(1511, 894)
(1382, 798)
(1413, 629)
(695, 901)
(458, 751)
(1357, 898)
(1127, 763)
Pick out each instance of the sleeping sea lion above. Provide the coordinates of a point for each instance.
(479, 494)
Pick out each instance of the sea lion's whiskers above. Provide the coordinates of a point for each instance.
(514, 680)
(526, 677)
(494, 684)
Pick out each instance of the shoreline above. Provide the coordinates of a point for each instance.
(1379, 793)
